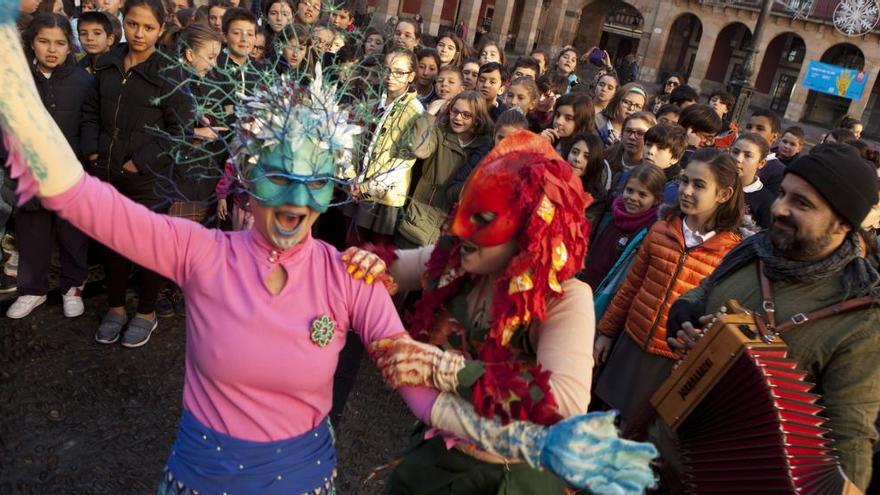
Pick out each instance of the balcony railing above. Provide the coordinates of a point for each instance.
(816, 10)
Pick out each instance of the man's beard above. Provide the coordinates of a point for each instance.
(792, 245)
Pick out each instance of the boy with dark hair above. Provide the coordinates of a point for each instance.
(240, 32)
(790, 144)
(665, 145)
(258, 52)
(701, 124)
(684, 96)
(550, 86)
(490, 83)
(236, 73)
(540, 56)
(668, 114)
(768, 125)
(96, 36)
(722, 102)
(342, 16)
(526, 67)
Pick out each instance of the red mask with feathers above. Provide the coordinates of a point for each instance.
(492, 209)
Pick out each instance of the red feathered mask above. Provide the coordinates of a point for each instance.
(502, 191)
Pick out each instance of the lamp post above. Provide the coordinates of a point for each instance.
(745, 87)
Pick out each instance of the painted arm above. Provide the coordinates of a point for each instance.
(405, 266)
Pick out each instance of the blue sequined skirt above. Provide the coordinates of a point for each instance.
(170, 486)
(208, 462)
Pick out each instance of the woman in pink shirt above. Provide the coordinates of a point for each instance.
(268, 308)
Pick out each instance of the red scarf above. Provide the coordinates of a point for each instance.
(629, 222)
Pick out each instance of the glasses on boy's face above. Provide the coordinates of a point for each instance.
(672, 82)
(639, 133)
(464, 115)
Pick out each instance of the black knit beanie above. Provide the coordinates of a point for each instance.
(842, 177)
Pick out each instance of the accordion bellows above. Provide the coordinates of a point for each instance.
(745, 419)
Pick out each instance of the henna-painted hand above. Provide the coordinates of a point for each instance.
(406, 362)
(363, 264)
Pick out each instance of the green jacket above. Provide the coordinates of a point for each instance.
(841, 354)
(440, 183)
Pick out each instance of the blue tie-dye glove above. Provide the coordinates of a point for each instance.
(585, 450)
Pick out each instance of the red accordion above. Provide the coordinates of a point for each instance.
(745, 418)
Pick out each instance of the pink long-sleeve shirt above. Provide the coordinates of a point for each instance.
(252, 370)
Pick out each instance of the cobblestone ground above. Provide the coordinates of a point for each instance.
(77, 417)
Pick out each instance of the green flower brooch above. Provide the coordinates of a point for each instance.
(323, 330)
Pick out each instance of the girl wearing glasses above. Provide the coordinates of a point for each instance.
(450, 148)
(375, 218)
(629, 99)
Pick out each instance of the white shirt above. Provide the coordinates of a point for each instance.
(692, 237)
(754, 186)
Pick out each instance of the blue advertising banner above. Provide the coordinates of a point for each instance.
(835, 80)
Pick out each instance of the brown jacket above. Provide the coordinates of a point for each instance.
(663, 270)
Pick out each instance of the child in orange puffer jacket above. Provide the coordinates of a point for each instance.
(677, 253)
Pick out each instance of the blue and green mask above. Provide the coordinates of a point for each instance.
(300, 177)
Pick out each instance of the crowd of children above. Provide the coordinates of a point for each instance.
(674, 184)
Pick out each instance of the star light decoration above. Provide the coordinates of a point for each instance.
(856, 17)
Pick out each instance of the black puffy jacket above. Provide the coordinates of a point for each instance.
(125, 113)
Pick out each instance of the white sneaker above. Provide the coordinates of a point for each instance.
(8, 243)
(73, 302)
(24, 305)
(11, 266)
